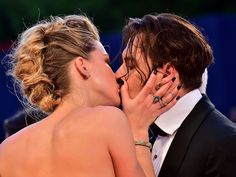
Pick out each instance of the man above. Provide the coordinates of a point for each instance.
(195, 139)
(203, 87)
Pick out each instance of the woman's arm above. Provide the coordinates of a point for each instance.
(142, 112)
(122, 132)
(121, 145)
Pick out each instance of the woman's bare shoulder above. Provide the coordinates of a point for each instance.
(108, 114)
(16, 142)
(97, 113)
(101, 117)
(8, 149)
(111, 119)
(110, 110)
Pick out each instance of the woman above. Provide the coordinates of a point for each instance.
(63, 69)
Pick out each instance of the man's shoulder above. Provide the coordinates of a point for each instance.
(213, 118)
(217, 130)
(221, 122)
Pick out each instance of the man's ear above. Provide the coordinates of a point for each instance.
(167, 69)
(170, 69)
(81, 66)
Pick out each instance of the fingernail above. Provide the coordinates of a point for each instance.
(178, 97)
(179, 87)
(155, 71)
(120, 81)
(158, 86)
(165, 75)
(173, 79)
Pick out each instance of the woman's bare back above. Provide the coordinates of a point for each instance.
(74, 145)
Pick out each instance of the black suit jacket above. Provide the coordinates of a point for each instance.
(204, 145)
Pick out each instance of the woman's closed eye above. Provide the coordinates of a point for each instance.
(129, 63)
(108, 62)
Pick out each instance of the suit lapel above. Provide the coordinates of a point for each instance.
(175, 155)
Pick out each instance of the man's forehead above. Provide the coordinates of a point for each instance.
(137, 41)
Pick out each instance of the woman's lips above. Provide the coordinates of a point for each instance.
(120, 82)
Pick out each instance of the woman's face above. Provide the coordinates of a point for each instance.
(133, 78)
(103, 78)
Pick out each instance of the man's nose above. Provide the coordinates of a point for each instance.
(118, 74)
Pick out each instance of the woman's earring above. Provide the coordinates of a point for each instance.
(86, 75)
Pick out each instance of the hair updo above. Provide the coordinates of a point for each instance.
(42, 54)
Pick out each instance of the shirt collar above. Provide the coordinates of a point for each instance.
(171, 120)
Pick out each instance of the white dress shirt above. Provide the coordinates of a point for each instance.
(169, 122)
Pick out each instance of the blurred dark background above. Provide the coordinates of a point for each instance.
(216, 19)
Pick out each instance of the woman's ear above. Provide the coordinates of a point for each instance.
(81, 66)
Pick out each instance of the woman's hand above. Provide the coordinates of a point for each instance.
(153, 100)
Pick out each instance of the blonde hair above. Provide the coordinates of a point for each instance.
(42, 54)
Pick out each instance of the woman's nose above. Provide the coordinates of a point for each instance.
(119, 72)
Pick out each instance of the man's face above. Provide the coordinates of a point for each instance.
(134, 76)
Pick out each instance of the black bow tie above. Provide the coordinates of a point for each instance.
(154, 131)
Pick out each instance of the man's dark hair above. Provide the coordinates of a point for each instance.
(168, 38)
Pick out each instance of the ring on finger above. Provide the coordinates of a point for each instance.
(156, 99)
